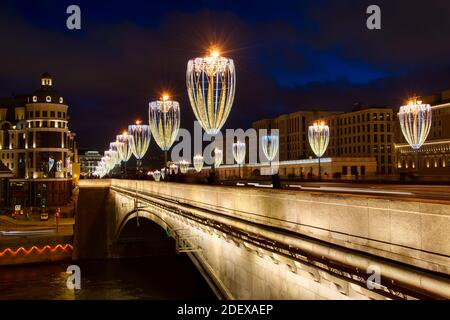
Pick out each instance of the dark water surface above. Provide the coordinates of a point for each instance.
(166, 277)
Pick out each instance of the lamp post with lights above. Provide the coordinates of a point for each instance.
(140, 135)
(239, 154)
(198, 162)
(415, 120)
(319, 137)
(164, 119)
(124, 148)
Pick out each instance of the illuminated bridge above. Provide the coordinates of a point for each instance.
(253, 243)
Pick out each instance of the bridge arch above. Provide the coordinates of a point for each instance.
(143, 213)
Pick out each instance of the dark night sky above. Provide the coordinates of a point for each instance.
(289, 55)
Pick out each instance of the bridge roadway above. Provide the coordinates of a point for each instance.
(281, 244)
(430, 192)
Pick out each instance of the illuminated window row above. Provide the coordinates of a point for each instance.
(47, 124)
(46, 113)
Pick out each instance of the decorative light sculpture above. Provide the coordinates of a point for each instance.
(140, 140)
(239, 154)
(156, 175)
(415, 120)
(113, 146)
(211, 83)
(218, 157)
(173, 168)
(184, 166)
(125, 146)
(319, 137)
(163, 172)
(270, 144)
(198, 162)
(104, 166)
(164, 119)
(106, 160)
(110, 164)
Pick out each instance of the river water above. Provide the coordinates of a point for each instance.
(166, 277)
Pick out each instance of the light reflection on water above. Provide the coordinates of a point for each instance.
(164, 277)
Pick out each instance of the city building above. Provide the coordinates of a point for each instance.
(365, 132)
(88, 160)
(293, 131)
(37, 146)
(434, 156)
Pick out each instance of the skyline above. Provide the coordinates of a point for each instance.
(114, 63)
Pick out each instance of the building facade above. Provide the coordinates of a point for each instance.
(37, 146)
(89, 160)
(365, 132)
(433, 157)
(293, 131)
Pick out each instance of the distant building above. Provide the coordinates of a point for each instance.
(88, 161)
(293, 130)
(434, 155)
(365, 132)
(37, 146)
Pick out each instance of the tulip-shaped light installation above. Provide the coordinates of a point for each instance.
(173, 168)
(198, 162)
(163, 172)
(113, 146)
(218, 157)
(124, 147)
(140, 140)
(319, 137)
(415, 120)
(164, 119)
(184, 166)
(106, 159)
(211, 84)
(156, 175)
(270, 144)
(239, 154)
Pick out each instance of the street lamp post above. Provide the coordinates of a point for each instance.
(184, 166)
(319, 136)
(415, 120)
(124, 148)
(198, 162)
(239, 154)
(141, 136)
(164, 119)
(218, 157)
(270, 146)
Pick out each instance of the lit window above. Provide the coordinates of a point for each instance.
(34, 99)
(48, 99)
(61, 100)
